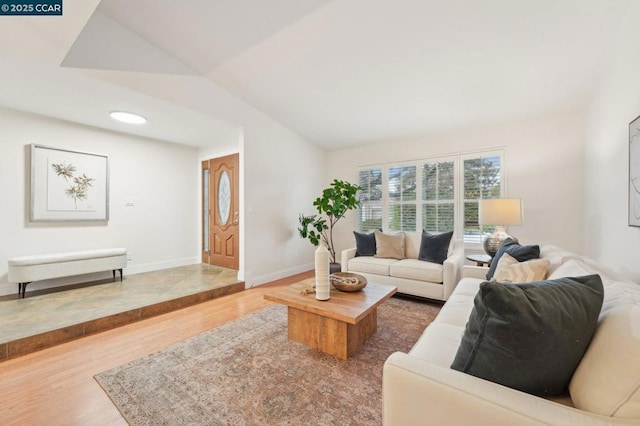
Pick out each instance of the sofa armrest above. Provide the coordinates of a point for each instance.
(479, 272)
(345, 257)
(414, 390)
(452, 267)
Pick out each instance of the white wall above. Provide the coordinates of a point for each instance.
(544, 157)
(608, 237)
(283, 175)
(160, 230)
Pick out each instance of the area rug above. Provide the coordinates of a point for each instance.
(248, 373)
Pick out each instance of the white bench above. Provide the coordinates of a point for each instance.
(26, 269)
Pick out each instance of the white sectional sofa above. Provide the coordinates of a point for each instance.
(410, 275)
(420, 387)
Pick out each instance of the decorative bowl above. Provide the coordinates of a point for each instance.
(347, 281)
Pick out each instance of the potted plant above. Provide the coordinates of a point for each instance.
(335, 201)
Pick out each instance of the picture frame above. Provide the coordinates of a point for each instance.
(634, 172)
(68, 185)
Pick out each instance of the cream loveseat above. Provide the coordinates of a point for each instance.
(421, 388)
(410, 275)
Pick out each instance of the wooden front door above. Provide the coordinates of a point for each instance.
(222, 223)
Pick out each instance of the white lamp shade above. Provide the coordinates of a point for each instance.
(500, 211)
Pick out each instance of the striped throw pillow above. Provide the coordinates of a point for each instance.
(511, 271)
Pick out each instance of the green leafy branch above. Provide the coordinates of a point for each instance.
(335, 201)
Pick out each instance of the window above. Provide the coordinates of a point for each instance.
(401, 213)
(437, 194)
(370, 211)
(482, 179)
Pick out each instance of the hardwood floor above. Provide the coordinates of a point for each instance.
(55, 386)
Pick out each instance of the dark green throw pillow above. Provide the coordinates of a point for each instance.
(531, 336)
(434, 248)
(520, 253)
(365, 243)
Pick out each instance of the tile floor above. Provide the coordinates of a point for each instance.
(40, 321)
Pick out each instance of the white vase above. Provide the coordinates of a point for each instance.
(322, 273)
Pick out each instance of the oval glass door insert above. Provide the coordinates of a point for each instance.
(224, 198)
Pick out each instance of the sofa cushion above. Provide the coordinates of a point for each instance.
(509, 270)
(435, 247)
(390, 245)
(556, 256)
(468, 287)
(530, 336)
(414, 269)
(589, 266)
(456, 311)
(370, 265)
(412, 242)
(522, 253)
(365, 243)
(607, 381)
(438, 343)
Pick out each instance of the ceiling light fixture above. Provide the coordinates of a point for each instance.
(128, 117)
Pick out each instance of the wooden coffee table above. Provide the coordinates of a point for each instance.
(338, 326)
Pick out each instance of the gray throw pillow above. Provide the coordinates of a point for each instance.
(365, 243)
(434, 247)
(531, 336)
(520, 253)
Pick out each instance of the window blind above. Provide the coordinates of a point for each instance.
(402, 206)
(438, 196)
(482, 179)
(370, 211)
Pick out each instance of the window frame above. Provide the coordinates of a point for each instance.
(474, 242)
(443, 159)
(373, 203)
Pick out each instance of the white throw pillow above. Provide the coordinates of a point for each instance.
(572, 268)
(606, 380)
(509, 270)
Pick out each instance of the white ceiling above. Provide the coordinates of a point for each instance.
(337, 72)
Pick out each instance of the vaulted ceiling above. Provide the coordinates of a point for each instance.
(337, 72)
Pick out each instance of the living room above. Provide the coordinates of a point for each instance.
(566, 154)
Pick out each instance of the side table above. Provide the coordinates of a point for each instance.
(480, 259)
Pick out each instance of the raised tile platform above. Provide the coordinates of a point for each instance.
(45, 320)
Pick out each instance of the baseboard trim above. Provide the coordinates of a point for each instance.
(8, 288)
(156, 266)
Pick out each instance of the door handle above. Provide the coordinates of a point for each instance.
(235, 222)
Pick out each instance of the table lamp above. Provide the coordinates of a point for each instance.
(500, 212)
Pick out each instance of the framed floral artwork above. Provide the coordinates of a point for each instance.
(68, 185)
